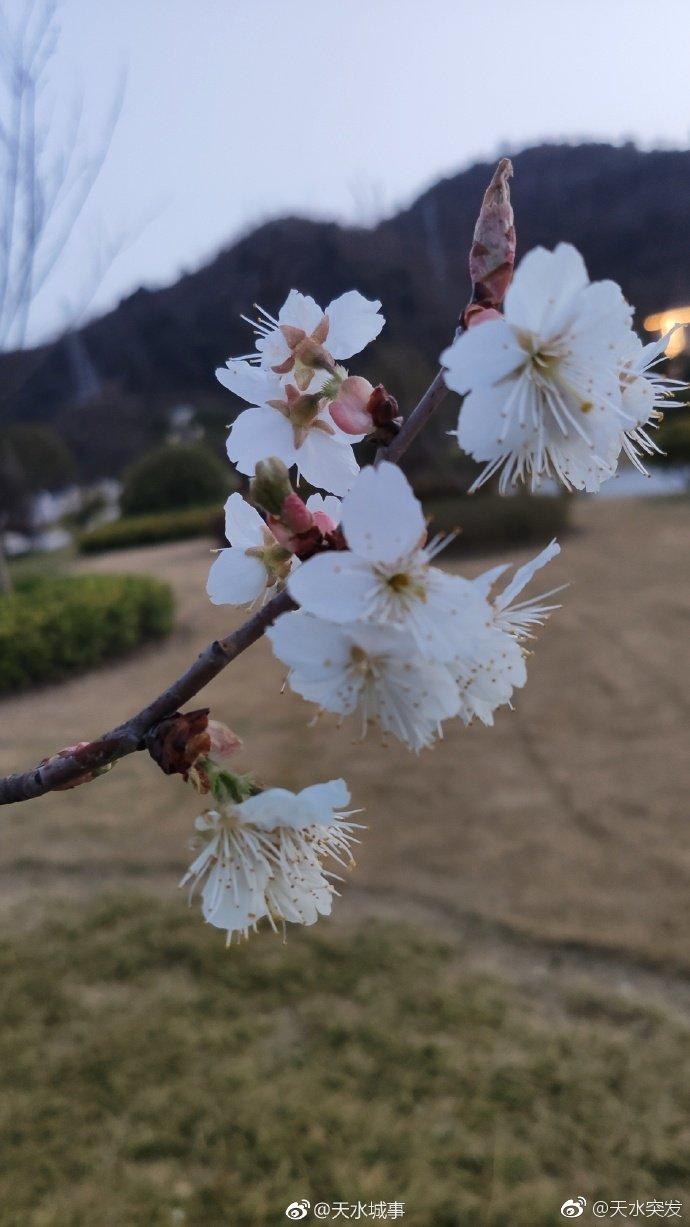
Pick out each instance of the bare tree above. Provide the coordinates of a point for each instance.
(47, 173)
(47, 170)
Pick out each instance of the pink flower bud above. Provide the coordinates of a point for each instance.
(294, 515)
(324, 523)
(223, 741)
(492, 256)
(349, 409)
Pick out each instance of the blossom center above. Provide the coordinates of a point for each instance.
(544, 361)
(307, 353)
(275, 558)
(360, 661)
(406, 584)
(302, 412)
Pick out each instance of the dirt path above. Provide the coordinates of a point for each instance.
(563, 829)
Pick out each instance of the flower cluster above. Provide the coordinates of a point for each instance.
(306, 409)
(560, 384)
(383, 632)
(555, 384)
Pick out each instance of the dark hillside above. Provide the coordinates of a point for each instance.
(626, 210)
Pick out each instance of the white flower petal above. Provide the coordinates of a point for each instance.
(481, 356)
(300, 311)
(299, 639)
(232, 899)
(320, 802)
(336, 586)
(249, 382)
(381, 518)
(453, 611)
(543, 287)
(235, 578)
(273, 351)
(270, 809)
(602, 318)
(243, 524)
(654, 349)
(524, 574)
(496, 421)
(257, 434)
(497, 668)
(326, 461)
(354, 321)
(638, 400)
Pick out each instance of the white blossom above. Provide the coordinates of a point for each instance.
(255, 562)
(286, 381)
(493, 665)
(386, 576)
(645, 393)
(290, 345)
(299, 430)
(263, 857)
(544, 381)
(374, 671)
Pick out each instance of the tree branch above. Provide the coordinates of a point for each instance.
(127, 737)
(416, 422)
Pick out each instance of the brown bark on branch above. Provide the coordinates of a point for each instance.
(128, 737)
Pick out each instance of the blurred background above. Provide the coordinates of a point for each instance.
(495, 1019)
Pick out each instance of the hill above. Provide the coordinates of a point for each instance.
(107, 387)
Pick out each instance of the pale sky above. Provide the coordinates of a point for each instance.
(240, 110)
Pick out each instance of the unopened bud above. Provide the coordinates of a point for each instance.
(223, 741)
(177, 742)
(270, 485)
(360, 409)
(302, 544)
(492, 256)
(182, 743)
(295, 515)
(383, 408)
(349, 409)
(74, 751)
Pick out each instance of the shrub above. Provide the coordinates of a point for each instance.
(50, 628)
(491, 520)
(45, 459)
(174, 477)
(153, 529)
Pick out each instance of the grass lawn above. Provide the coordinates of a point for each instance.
(149, 1076)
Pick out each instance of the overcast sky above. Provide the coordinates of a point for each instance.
(239, 110)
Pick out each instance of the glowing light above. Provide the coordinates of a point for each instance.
(663, 321)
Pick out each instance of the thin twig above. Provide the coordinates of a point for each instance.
(127, 737)
(417, 420)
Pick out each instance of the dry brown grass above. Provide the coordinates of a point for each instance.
(150, 1077)
(566, 822)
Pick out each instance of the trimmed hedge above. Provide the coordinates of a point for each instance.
(490, 520)
(50, 628)
(154, 529)
(175, 476)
